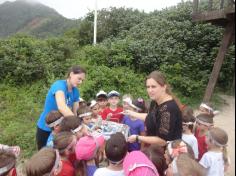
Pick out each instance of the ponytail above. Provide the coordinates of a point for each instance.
(225, 156)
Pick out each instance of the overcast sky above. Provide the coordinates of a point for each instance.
(78, 8)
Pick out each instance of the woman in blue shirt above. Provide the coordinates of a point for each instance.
(63, 96)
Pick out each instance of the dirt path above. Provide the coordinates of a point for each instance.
(226, 120)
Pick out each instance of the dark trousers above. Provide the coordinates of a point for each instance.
(41, 137)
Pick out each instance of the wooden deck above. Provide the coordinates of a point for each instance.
(218, 17)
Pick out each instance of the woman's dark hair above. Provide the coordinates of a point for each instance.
(76, 70)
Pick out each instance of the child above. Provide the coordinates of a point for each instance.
(113, 112)
(74, 125)
(95, 111)
(88, 152)
(136, 125)
(82, 102)
(215, 160)
(136, 163)
(203, 123)
(183, 165)
(101, 98)
(126, 101)
(188, 121)
(8, 163)
(65, 143)
(85, 114)
(12, 149)
(46, 161)
(175, 148)
(53, 120)
(115, 150)
(206, 108)
(156, 154)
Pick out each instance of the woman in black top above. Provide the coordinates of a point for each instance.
(164, 119)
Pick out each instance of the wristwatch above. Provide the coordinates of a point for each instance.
(137, 140)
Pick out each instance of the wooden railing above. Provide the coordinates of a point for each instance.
(222, 4)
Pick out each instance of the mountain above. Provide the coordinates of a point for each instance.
(32, 18)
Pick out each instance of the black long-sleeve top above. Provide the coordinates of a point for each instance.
(164, 120)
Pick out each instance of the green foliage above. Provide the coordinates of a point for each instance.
(19, 110)
(110, 23)
(111, 54)
(25, 59)
(121, 79)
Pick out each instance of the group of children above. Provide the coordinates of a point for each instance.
(77, 147)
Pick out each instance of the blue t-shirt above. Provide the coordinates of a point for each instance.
(91, 169)
(136, 127)
(50, 102)
(50, 140)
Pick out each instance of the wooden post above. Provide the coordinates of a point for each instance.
(210, 4)
(219, 60)
(221, 4)
(195, 6)
(233, 84)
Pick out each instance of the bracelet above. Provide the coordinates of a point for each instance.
(137, 140)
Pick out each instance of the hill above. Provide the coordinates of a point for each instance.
(33, 18)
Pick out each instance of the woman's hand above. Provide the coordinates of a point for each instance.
(127, 112)
(132, 138)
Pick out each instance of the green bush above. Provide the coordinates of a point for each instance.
(19, 110)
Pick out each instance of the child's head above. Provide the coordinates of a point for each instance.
(137, 163)
(139, 105)
(101, 98)
(65, 143)
(126, 101)
(7, 164)
(217, 137)
(116, 148)
(85, 114)
(156, 154)
(187, 111)
(204, 121)
(88, 147)
(184, 165)
(53, 120)
(45, 161)
(207, 108)
(175, 148)
(73, 124)
(113, 98)
(188, 122)
(94, 107)
(82, 102)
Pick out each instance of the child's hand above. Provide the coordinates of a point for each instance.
(15, 150)
(109, 116)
